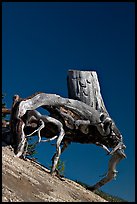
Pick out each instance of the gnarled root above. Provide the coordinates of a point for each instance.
(56, 156)
(114, 160)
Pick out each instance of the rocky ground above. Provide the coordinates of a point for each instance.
(28, 181)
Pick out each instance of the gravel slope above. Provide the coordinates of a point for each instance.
(27, 181)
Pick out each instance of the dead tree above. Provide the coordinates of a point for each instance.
(84, 86)
(81, 118)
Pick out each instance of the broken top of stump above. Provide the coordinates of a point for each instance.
(84, 86)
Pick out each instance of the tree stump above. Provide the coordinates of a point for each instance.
(84, 86)
(80, 118)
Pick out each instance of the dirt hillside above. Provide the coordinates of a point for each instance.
(27, 181)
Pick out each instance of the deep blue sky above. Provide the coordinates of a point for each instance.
(42, 41)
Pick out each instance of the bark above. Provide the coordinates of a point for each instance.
(6, 111)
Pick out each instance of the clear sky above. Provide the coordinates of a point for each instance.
(41, 41)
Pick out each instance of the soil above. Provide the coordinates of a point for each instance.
(28, 181)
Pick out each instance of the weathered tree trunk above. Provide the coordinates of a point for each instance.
(84, 86)
(82, 117)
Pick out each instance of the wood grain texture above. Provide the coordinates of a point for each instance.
(84, 86)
